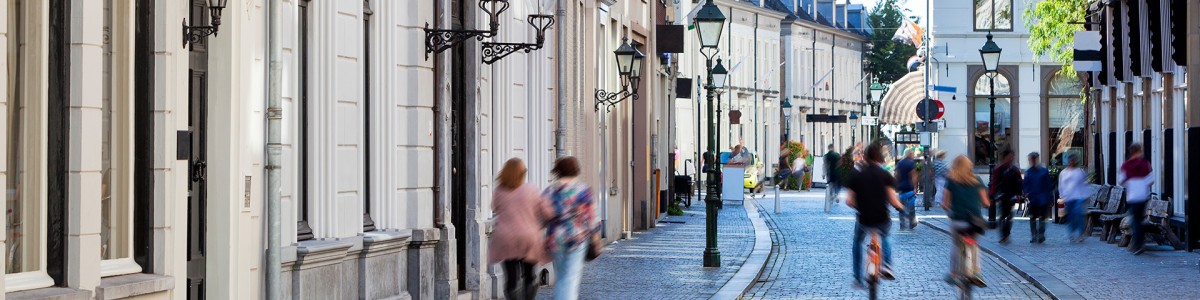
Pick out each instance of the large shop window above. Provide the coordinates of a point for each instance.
(994, 15)
(116, 164)
(1065, 113)
(985, 145)
(303, 231)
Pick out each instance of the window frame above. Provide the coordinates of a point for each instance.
(121, 97)
(368, 222)
(304, 231)
(975, 19)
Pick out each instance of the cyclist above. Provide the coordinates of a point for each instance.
(871, 190)
(906, 183)
(965, 198)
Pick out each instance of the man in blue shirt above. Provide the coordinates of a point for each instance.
(906, 183)
(1038, 190)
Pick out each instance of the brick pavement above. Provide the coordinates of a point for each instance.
(667, 262)
(810, 258)
(1095, 269)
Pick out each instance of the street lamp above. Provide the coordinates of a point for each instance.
(876, 97)
(629, 67)
(193, 34)
(710, 22)
(787, 121)
(853, 127)
(990, 53)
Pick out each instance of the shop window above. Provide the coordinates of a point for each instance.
(1065, 113)
(987, 146)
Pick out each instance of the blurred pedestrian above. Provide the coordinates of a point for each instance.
(965, 199)
(1135, 177)
(573, 228)
(785, 169)
(1073, 188)
(906, 185)
(1006, 187)
(518, 239)
(1039, 193)
(941, 169)
(870, 192)
(832, 187)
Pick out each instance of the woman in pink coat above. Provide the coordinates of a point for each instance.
(518, 239)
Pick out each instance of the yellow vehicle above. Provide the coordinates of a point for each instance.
(752, 178)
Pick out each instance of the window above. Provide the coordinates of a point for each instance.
(368, 223)
(116, 187)
(1065, 114)
(21, 232)
(993, 15)
(985, 146)
(303, 231)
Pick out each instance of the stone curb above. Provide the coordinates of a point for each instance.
(748, 273)
(1040, 278)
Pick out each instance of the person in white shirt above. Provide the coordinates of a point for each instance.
(1073, 188)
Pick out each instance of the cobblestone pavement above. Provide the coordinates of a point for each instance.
(667, 262)
(1095, 269)
(810, 258)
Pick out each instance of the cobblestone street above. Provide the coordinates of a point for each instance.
(667, 262)
(810, 258)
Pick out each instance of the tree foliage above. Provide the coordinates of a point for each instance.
(1051, 33)
(888, 57)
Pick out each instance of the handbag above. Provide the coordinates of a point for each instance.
(595, 247)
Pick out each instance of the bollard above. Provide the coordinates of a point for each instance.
(776, 198)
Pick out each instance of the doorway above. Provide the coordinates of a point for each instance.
(197, 162)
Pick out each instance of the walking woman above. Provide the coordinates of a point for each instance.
(965, 199)
(517, 241)
(572, 230)
(1073, 188)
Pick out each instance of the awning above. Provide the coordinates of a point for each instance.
(899, 106)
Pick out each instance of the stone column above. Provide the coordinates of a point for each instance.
(422, 262)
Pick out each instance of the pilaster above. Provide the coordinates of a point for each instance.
(421, 261)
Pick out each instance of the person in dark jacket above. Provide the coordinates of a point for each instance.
(1006, 187)
(1039, 192)
(833, 187)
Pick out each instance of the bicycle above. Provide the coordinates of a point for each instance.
(875, 264)
(966, 264)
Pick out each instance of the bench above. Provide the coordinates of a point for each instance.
(1111, 206)
(1157, 225)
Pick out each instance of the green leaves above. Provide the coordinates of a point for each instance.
(1051, 33)
(888, 57)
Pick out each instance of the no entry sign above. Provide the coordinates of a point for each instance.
(936, 109)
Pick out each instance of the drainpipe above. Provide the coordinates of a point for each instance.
(560, 132)
(439, 124)
(274, 151)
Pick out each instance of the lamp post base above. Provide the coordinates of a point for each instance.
(712, 258)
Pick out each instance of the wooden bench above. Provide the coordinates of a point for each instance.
(1111, 205)
(1157, 225)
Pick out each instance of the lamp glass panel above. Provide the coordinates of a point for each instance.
(719, 80)
(624, 61)
(710, 32)
(990, 60)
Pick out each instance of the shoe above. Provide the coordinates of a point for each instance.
(949, 279)
(1033, 241)
(886, 273)
(1004, 240)
(858, 284)
(1139, 251)
(978, 281)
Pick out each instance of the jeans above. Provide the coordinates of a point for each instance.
(1075, 218)
(1006, 217)
(908, 217)
(860, 236)
(1037, 221)
(519, 282)
(831, 195)
(940, 190)
(568, 271)
(1138, 238)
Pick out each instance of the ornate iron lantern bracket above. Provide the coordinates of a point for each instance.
(196, 34)
(608, 100)
(493, 52)
(438, 40)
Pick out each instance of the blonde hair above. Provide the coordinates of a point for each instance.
(512, 175)
(962, 171)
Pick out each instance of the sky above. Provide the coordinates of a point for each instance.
(917, 7)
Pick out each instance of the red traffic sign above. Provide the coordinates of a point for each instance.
(936, 107)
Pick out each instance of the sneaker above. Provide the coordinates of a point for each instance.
(1139, 251)
(886, 273)
(949, 279)
(858, 285)
(978, 281)
(1004, 240)
(1033, 241)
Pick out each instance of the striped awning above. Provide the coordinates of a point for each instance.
(899, 106)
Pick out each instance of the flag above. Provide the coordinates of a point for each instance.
(909, 33)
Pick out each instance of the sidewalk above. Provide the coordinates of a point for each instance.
(667, 262)
(1090, 270)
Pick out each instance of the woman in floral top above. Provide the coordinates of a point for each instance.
(574, 223)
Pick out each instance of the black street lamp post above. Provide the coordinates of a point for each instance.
(710, 22)
(991, 61)
(876, 97)
(853, 127)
